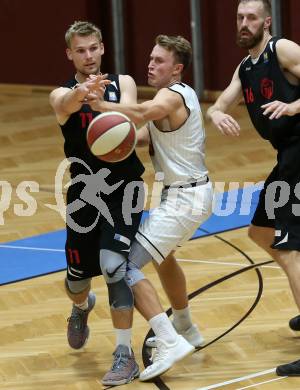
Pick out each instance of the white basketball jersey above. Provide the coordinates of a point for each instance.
(179, 153)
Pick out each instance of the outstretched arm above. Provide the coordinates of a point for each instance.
(163, 104)
(227, 100)
(288, 54)
(65, 101)
(129, 96)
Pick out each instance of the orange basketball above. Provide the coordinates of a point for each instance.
(111, 136)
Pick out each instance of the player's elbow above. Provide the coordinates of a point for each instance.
(142, 142)
(142, 139)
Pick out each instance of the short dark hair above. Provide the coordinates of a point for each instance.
(180, 46)
(266, 4)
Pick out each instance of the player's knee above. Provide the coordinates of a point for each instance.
(168, 263)
(133, 276)
(77, 286)
(77, 290)
(112, 274)
(120, 295)
(138, 256)
(113, 266)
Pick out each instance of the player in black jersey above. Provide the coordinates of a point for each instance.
(269, 81)
(98, 234)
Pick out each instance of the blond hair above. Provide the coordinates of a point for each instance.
(180, 47)
(82, 28)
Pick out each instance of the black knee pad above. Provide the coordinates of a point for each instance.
(120, 295)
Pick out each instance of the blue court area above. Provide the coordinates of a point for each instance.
(44, 254)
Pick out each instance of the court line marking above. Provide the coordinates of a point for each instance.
(262, 383)
(223, 263)
(190, 261)
(180, 260)
(227, 298)
(29, 248)
(240, 379)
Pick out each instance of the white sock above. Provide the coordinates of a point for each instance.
(123, 338)
(163, 328)
(84, 305)
(182, 319)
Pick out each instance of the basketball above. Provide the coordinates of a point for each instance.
(111, 136)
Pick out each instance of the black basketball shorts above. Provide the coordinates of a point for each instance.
(279, 201)
(89, 231)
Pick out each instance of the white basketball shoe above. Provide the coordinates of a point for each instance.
(192, 335)
(165, 356)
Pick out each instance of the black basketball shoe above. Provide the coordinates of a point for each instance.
(295, 323)
(289, 369)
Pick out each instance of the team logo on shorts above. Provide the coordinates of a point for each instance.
(267, 88)
(112, 96)
(284, 240)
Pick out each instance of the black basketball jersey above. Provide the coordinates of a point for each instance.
(264, 82)
(74, 132)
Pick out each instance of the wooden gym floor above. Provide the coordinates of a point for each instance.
(33, 350)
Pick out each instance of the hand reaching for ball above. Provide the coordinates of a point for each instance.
(96, 85)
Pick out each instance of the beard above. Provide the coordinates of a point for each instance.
(250, 41)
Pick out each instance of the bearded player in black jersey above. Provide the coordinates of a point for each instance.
(268, 79)
(97, 244)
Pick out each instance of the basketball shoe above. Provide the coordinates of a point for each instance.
(295, 323)
(192, 335)
(289, 369)
(78, 330)
(165, 356)
(124, 368)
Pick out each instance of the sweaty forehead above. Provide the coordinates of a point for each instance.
(251, 7)
(83, 41)
(160, 52)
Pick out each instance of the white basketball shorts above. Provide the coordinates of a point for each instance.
(180, 213)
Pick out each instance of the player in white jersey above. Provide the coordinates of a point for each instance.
(177, 138)
(186, 197)
(179, 153)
